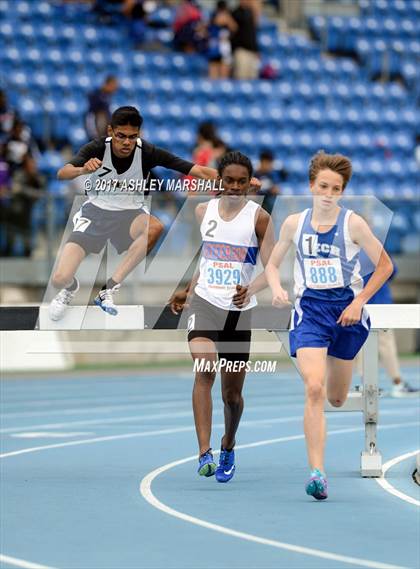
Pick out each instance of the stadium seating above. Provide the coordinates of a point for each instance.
(55, 53)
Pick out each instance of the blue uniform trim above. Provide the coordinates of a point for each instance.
(331, 244)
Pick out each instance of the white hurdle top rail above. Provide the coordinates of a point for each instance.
(366, 400)
(138, 317)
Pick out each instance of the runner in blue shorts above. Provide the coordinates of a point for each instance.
(329, 323)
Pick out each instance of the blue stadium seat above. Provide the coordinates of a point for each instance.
(49, 162)
(410, 244)
(23, 9)
(318, 25)
(7, 32)
(256, 115)
(77, 137)
(75, 56)
(18, 80)
(162, 17)
(95, 58)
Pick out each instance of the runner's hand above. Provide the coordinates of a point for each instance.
(242, 297)
(92, 165)
(352, 314)
(280, 297)
(255, 184)
(178, 301)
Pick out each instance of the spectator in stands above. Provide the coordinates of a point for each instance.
(7, 117)
(5, 187)
(99, 113)
(220, 148)
(417, 150)
(134, 11)
(190, 33)
(388, 353)
(204, 148)
(108, 11)
(220, 28)
(270, 179)
(17, 145)
(27, 184)
(244, 41)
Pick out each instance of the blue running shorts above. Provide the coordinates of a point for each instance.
(314, 325)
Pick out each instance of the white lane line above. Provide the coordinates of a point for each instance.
(30, 565)
(146, 492)
(157, 432)
(49, 435)
(89, 410)
(389, 487)
(179, 414)
(97, 440)
(21, 563)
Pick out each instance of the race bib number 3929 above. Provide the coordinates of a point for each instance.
(223, 275)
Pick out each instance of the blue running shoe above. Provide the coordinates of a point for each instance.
(105, 300)
(317, 485)
(206, 464)
(226, 468)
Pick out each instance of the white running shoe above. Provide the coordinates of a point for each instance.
(404, 389)
(59, 304)
(105, 300)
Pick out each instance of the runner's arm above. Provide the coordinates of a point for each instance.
(86, 161)
(287, 232)
(361, 234)
(264, 230)
(180, 299)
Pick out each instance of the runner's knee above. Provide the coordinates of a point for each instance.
(337, 401)
(315, 391)
(205, 378)
(156, 228)
(231, 397)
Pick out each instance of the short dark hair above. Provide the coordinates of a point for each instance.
(266, 155)
(126, 115)
(235, 158)
(109, 79)
(207, 131)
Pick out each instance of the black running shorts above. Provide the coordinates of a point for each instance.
(230, 330)
(93, 226)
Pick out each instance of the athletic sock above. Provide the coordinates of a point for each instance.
(73, 285)
(109, 284)
(205, 452)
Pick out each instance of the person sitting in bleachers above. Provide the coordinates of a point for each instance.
(388, 352)
(246, 59)
(190, 33)
(270, 179)
(26, 188)
(219, 54)
(7, 117)
(99, 113)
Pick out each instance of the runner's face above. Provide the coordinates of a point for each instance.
(124, 139)
(235, 181)
(327, 188)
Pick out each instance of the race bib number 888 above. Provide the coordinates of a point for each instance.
(323, 273)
